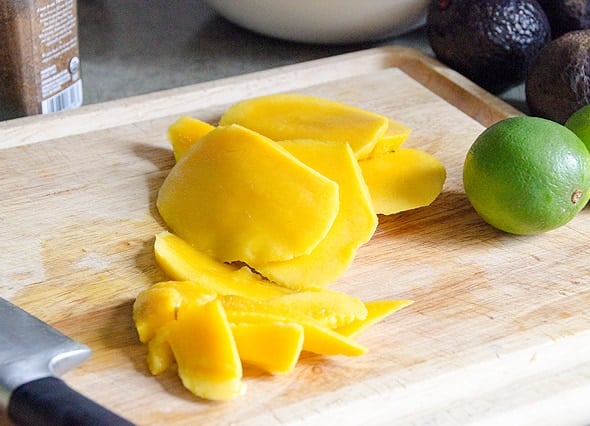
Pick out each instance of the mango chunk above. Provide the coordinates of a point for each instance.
(182, 262)
(206, 353)
(403, 180)
(160, 304)
(376, 311)
(393, 138)
(296, 116)
(238, 196)
(160, 357)
(354, 225)
(271, 346)
(318, 338)
(184, 132)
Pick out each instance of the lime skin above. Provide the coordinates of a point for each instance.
(579, 123)
(527, 175)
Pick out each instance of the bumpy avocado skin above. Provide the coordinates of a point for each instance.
(492, 42)
(559, 80)
(566, 15)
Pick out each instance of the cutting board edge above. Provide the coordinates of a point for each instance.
(448, 84)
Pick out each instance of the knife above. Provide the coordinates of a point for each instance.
(32, 356)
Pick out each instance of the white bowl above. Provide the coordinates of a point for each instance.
(325, 21)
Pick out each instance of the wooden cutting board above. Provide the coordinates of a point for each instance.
(500, 328)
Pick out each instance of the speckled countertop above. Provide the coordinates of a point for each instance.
(138, 46)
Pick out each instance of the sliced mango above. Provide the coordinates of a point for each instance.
(161, 302)
(238, 196)
(205, 352)
(376, 311)
(393, 138)
(296, 116)
(354, 225)
(182, 262)
(318, 338)
(332, 309)
(403, 180)
(271, 346)
(184, 132)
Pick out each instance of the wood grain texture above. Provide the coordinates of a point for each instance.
(500, 329)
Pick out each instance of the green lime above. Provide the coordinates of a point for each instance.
(579, 123)
(527, 175)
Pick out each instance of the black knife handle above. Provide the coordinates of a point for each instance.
(49, 401)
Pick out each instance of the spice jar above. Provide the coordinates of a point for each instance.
(39, 57)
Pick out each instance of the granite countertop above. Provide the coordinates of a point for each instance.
(128, 48)
(135, 47)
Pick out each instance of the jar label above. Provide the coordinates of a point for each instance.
(56, 31)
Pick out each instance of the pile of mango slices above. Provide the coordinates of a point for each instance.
(266, 210)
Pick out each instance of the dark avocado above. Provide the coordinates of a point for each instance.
(491, 42)
(558, 83)
(566, 15)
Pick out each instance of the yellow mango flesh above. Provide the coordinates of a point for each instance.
(403, 180)
(161, 302)
(393, 138)
(271, 346)
(238, 196)
(182, 262)
(296, 116)
(354, 225)
(205, 352)
(318, 338)
(184, 132)
(160, 356)
(332, 309)
(377, 310)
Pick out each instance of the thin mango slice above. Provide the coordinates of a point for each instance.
(180, 261)
(354, 225)
(393, 138)
(238, 196)
(160, 304)
(184, 132)
(403, 180)
(332, 309)
(206, 353)
(271, 346)
(297, 116)
(377, 310)
(317, 338)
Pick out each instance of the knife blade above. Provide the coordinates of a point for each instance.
(32, 357)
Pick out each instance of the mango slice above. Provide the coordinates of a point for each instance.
(354, 225)
(332, 309)
(393, 138)
(377, 310)
(182, 262)
(296, 116)
(184, 132)
(205, 352)
(273, 347)
(403, 180)
(239, 196)
(318, 338)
